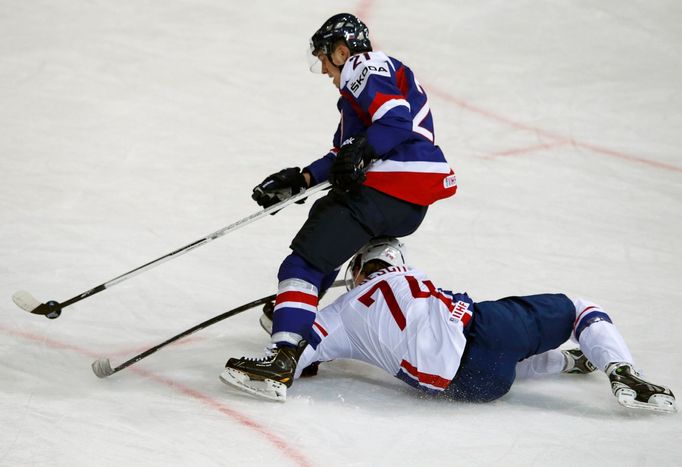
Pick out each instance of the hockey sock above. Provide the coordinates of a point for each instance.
(599, 339)
(296, 303)
(547, 363)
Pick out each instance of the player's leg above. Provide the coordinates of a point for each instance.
(504, 332)
(553, 362)
(378, 214)
(267, 316)
(338, 225)
(331, 231)
(604, 346)
(599, 339)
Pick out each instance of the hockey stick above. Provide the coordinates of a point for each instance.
(102, 367)
(52, 309)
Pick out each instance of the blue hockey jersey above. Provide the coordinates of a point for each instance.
(380, 97)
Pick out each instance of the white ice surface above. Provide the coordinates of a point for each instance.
(130, 128)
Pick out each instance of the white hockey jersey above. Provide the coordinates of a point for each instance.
(396, 320)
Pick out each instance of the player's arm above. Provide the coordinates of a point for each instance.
(319, 169)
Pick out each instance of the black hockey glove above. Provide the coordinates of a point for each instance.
(348, 169)
(279, 186)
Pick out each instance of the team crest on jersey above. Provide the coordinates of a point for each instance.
(357, 85)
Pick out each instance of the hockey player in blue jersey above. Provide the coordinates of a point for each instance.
(385, 170)
(445, 344)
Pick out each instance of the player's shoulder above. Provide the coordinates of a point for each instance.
(360, 67)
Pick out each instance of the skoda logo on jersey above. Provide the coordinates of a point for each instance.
(358, 84)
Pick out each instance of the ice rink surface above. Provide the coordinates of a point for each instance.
(130, 128)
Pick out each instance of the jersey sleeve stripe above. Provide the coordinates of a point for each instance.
(319, 327)
(388, 106)
(433, 381)
(382, 103)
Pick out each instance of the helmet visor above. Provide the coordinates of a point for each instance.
(314, 63)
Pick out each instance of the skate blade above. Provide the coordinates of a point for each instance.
(657, 402)
(268, 389)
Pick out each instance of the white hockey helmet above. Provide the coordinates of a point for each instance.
(390, 250)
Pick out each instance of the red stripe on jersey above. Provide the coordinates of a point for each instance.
(402, 81)
(581, 314)
(293, 296)
(425, 378)
(320, 328)
(362, 115)
(466, 317)
(418, 188)
(379, 100)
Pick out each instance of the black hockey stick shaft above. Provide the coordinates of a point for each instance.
(102, 368)
(52, 309)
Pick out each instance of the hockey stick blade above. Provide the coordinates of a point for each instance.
(53, 309)
(102, 368)
(25, 301)
(28, 302)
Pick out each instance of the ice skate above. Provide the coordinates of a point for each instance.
(576, 362)
(634, 392)
(268, 376)
(266, 323)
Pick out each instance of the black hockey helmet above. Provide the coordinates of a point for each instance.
(343, 26)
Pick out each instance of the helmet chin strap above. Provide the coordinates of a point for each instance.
(329, 57)
(331, 60)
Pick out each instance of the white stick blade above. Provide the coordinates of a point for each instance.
(25, 301)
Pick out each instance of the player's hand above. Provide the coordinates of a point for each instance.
(348, 170)
(279, 186)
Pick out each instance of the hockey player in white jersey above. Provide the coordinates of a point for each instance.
(445, 344)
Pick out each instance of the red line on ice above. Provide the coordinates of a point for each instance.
(528, 149)
(363, 11)
(288, 450)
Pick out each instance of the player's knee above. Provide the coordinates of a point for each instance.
(485, 391)
(295, 266)
(586, 314)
